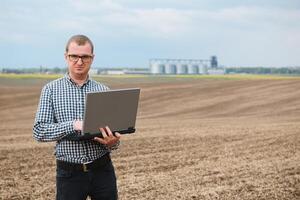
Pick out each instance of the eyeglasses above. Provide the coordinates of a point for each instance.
(84, 58)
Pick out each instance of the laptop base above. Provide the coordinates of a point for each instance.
(91, 136)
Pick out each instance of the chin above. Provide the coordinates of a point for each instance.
(80, 72)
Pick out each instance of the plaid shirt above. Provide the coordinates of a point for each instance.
(61, 103)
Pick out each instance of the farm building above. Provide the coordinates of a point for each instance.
(185, 66)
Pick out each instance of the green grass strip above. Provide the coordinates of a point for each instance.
(192, 76)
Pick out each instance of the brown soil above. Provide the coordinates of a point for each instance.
(195, 139)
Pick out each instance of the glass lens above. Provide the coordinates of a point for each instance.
(73, 58)
(84, 58)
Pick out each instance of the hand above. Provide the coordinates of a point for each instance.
(108, 138)
(77, 124)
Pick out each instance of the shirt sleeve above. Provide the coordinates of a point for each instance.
(45, 129)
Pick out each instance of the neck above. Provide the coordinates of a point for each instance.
(79, 79)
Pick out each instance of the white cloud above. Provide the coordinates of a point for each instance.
(181, 29)
(164, 22)
(108, 16)
(160, 23)
(95, 6)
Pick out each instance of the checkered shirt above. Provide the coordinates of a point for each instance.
(61, 103)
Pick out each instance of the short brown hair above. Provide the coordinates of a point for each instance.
(80, 40)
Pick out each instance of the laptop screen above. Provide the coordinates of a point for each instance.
(114, 108)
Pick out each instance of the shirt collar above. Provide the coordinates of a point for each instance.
(67, 76)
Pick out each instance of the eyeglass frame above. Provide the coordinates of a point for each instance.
(83, 58)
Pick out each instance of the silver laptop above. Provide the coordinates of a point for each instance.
(116, 109)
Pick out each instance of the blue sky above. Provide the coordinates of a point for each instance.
(127, 33)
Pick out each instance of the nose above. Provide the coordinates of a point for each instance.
(79, 62)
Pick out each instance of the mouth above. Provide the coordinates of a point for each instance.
(79, 68)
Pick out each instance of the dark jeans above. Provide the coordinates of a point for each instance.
(99, 184)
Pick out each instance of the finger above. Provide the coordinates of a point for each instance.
(77, 124)
(102, 141)
(108, 131)
(104, 135)
(117, 135)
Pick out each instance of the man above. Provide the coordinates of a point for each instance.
(84, 168)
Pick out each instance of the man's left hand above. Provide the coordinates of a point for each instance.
(109, 139)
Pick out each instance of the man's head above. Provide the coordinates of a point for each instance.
(79, 55)
(80, 40)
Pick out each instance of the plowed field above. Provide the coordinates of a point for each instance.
(195, 139)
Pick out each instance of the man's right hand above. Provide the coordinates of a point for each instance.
(77, 124)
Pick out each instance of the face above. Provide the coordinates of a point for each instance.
(79, 59)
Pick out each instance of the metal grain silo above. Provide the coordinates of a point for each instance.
(170, 68)
(157, 68)
(182, 69)
(202, 69)
(193, 69)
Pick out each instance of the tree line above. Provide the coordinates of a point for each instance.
(263, 70)
(228, 70)
(35, 70)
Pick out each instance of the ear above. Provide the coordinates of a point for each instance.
(66, 56)
(93, 56)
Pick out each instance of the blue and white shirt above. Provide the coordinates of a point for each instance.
(61, 103)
